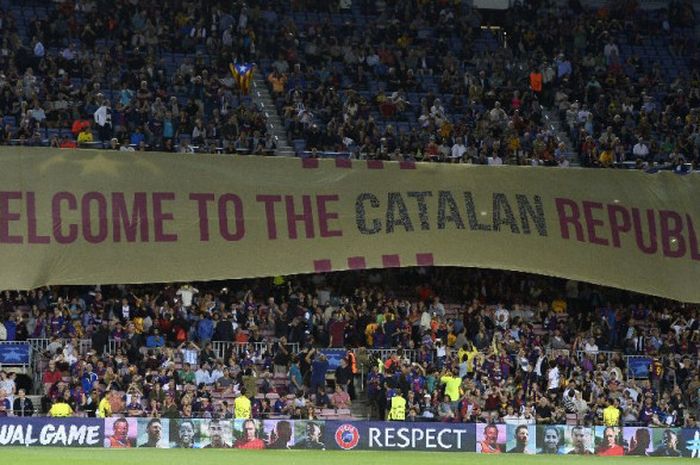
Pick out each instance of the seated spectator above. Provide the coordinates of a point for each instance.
(340, 398)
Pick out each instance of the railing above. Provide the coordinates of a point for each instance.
(220, 347)
(42, 344)
(411, 354)
(239, 348)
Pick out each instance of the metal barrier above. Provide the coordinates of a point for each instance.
(595, 356)
(42, 344)
(238, 348)
(39, 344)
(411, 354)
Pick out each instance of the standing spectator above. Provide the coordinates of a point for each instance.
(611, 413)
(103, 119)
(242, 406)
(319, 367)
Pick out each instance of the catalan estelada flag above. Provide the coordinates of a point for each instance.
(243, 74)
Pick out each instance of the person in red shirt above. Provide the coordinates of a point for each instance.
(249, 439)
(336, 330)
(51, 376)
(609, 446)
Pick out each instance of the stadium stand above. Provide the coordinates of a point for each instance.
(548, 83)
(519, 348)
(612, 86)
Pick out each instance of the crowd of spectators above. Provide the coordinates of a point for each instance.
(416, 80)
(375, 87)
(518, 348)
(433, 81)
(142, 75)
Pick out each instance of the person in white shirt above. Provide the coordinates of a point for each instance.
(425, 320)
(640, 149)
(202, 375)
(103, 118)
(553, 377)
(38, 114)
(590, 346)
(7, 384)
(437, 308)
(187, 293)
(497, 115)
(216, 373)
(510, 418)
(495, 160)
(611, 52)
(458, 150)
(190, 352)
(502, 313)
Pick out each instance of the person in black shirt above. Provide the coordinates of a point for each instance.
(22, 406)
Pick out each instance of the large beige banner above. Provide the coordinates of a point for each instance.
(82, 217)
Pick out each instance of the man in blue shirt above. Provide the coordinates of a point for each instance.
(319, 367)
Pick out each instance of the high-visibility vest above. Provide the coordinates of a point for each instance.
(398, 408)
(242, 407)
(104, 409)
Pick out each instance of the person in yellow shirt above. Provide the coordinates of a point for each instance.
(470, 352)
(611, 414)
(605, 158)
(104, 408)
(369, 333)
(60, 409)
(559, 305)
(452, 383)
(398, 408)
(85, 136)
(241, 406)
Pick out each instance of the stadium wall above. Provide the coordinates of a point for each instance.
(347, 435)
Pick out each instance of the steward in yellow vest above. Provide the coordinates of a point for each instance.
(398, 408)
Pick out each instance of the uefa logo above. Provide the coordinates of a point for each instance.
(347, 436)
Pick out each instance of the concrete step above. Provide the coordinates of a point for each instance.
(360, 408)
(264, 101)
